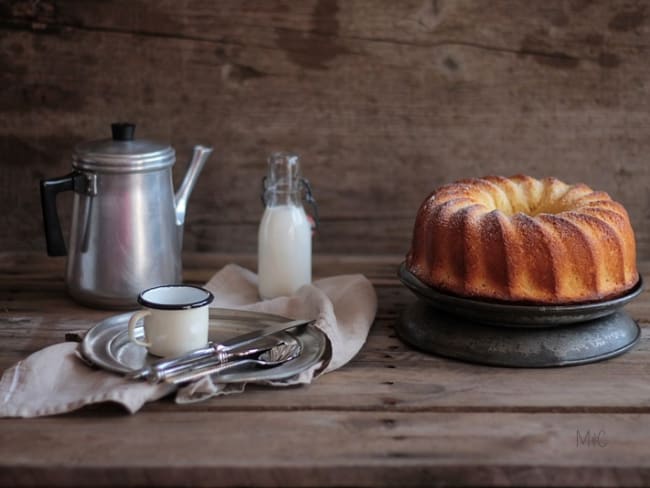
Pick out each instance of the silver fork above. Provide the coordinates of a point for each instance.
(275, 356)
(162, 373)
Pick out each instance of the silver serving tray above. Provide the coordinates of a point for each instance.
(515, 315)
(107, 345)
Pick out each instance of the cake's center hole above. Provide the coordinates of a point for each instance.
(532, 209)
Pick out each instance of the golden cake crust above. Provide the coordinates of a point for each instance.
(520, 239)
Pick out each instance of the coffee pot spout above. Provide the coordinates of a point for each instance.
(199, 157)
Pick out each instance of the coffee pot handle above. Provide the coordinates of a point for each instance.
(49, 190)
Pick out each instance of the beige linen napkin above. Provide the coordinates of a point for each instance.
(55, 380)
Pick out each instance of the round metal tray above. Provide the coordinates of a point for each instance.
(503, 314)
(107, 345)
(436, 331)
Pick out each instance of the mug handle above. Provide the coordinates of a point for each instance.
(132, 321)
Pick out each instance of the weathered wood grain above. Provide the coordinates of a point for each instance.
(391, 417)
(386, 375)
(389, 376)
(327, 449)
(384, 101)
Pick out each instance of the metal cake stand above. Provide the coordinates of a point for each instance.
(521, 336)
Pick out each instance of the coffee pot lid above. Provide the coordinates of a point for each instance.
(123, 153)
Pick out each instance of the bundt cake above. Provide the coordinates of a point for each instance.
(523, 240)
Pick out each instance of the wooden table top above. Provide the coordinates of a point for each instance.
(393, 416)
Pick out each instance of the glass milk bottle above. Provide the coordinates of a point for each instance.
(284, 239)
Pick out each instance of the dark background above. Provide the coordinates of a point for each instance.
(384, 100)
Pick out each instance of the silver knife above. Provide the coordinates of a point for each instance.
(223, 351)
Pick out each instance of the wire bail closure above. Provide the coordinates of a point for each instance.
(308, 197)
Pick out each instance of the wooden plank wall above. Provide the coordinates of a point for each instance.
(383, 99)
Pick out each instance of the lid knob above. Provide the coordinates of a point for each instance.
(123, 131)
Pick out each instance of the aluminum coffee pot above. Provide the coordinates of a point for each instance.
(127, 223)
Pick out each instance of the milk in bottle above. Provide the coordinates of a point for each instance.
(284, 239)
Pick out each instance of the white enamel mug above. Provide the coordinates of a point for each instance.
(176, 319)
